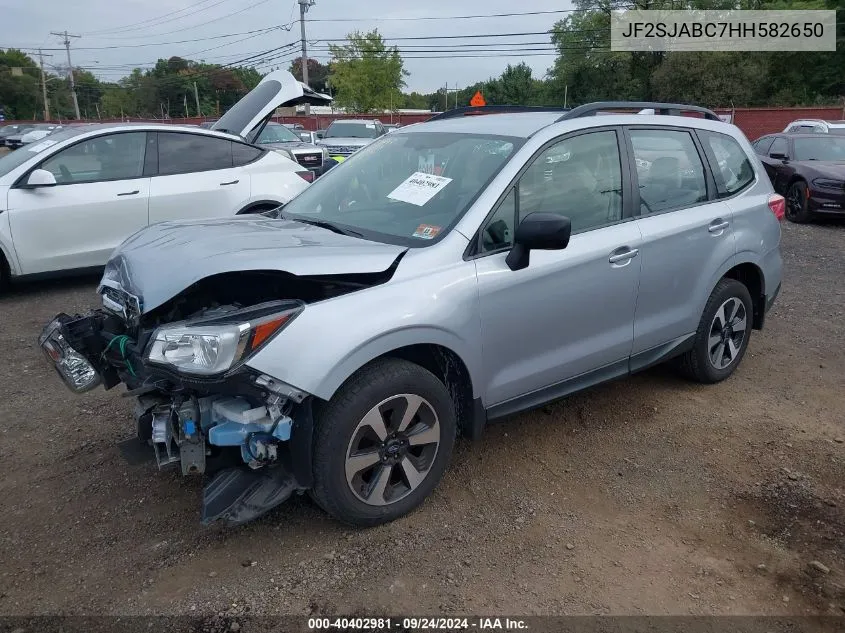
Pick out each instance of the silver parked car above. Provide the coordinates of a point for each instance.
(450, 274)
(344, 137)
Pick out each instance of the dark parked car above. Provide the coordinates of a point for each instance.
(807, 169)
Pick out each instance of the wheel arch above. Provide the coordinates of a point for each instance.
(751, 276)
(449, 366)
(257, 205)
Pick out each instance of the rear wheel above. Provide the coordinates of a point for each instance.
(723, 334)
(382, 443)
(796, 203)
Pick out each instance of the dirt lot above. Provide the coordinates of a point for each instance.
(646, 496)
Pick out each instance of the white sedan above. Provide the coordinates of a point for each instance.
(68, 200)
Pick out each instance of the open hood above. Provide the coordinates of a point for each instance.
(278, 89)
(164, 259)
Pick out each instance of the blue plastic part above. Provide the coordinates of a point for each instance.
(189, 428)
(235, 433)
(282, 431)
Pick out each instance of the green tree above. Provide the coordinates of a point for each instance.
(366, 74)
(20, 90)
(318, 74)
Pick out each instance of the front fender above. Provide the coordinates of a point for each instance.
(332, 339)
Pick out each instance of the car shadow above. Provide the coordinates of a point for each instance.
(27, 287)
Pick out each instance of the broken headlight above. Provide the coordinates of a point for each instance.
(206, 347)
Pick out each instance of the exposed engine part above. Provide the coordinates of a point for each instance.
(166, 450)
(279, 388)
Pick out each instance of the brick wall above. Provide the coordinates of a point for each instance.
(756, 122)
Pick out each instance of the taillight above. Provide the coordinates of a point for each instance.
(306, 175)
(777, 203)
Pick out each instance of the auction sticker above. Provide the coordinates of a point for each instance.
(427, 231)
(419, 188)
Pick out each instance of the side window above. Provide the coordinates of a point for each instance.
(733, 170)
(579, 177)
(185, 153)
(779, 146)
(109, 157)
(669, 170)
(762, 145)
(499, 230)
(794, 128)
(243, 154)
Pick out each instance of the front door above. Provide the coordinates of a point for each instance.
(99, 200)
(570, 313)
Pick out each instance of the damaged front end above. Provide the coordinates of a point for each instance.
(198, 407)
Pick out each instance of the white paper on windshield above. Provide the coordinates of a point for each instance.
(419, 188)
(41, 146)
(372, 126)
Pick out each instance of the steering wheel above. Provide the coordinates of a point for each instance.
(66, 175)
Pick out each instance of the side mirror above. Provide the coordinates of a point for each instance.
(538, 231)
(778, 156)
(41, 178)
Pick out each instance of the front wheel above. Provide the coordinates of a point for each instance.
(382, 443)
(723, 334)
(796, 203)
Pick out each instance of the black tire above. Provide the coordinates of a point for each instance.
(796, 203)
(5, 273)
(698, 363)
(335, 429)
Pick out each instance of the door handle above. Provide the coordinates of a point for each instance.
(718, 226)
(625, 256)
(129, 193)
(233, 182)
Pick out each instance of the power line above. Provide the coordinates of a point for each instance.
(143, 24)
(451, 17)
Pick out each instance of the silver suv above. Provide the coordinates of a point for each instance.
(451, 273)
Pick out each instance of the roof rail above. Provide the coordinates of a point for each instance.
(674, 109)
(494, 109)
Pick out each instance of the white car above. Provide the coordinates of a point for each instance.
(39, 132)
(816, 126)
(68, 200)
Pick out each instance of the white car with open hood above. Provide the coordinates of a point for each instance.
(68, 200)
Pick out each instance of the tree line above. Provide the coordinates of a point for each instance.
(365, 74)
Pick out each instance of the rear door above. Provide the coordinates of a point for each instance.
(100, 198)
(687, 235)
(196, 178)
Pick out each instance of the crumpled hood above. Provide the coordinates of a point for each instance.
(159, 262)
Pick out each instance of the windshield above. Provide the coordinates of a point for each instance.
(405, 188)
(340, 129)
(829, 148)
(19, 157)
(275, 133)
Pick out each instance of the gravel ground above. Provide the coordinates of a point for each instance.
(645, 496)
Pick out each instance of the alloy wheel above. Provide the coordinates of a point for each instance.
(392, 449)
(727, 333)
(794, 202)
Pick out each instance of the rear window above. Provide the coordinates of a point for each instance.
(732, 169)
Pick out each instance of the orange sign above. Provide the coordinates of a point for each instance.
(478, 100)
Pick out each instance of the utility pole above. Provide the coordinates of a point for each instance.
(44, 86)
(303, 9)
(197, 97)
(67, 37)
